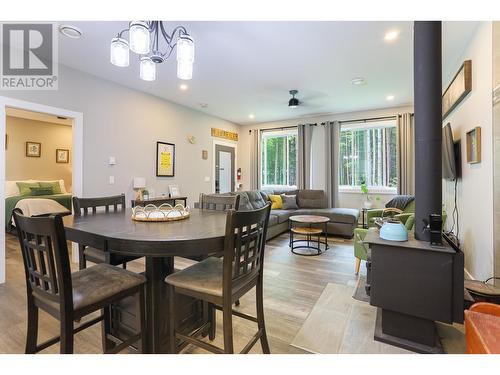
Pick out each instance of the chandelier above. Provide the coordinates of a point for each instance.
(146, 38)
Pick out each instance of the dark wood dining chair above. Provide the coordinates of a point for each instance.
(86, 206)
(218, 202)
(221, 281)
(67, 296)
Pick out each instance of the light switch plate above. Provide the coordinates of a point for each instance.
(112, 160)
(111, 180)
(207, 179)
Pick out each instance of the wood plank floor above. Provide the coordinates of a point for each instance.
(293, 285)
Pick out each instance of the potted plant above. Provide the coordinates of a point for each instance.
(364, 190)
(145, 194)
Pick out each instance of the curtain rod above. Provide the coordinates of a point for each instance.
(340, 122)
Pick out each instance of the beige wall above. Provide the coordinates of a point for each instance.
(51, 136)
(475, 188)
(349, 200)
(126, 124)
(496, 147)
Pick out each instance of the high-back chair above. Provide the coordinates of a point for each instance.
(218, 202)
(91, 206)
(220, 282)
(52, 287)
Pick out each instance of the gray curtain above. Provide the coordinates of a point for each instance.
(332, 152)
(304, 156)
(255, 160)
(406, 154)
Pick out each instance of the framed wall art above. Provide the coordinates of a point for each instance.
(473, 146)
(62, 155)
(458, 88)
(165, 159)
(33, 149)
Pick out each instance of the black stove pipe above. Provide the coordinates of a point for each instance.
(428, 124)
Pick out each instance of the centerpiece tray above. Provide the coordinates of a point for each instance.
(162, 213)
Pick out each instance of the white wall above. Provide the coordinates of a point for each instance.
(349, 200)
(126, 124)
(475, 188)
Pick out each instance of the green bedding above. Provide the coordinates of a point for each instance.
(10, 203)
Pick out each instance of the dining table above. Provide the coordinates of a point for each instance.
(199, 235)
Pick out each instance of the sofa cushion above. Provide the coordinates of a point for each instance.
(244, 202)
(277, 202)
(273, 220)
(265, 194)
(337, 215)
(283, 215)
(289, 202)
(311, 199)
(256, 199)
(286, 191)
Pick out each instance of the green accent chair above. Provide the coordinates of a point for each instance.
(372, 214)
(361, 249)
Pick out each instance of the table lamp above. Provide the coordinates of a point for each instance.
(139, 186)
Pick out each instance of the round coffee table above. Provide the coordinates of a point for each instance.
(307, 230)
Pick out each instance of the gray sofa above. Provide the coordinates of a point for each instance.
(310, 202)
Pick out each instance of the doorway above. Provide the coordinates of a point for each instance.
(7, 104)
(224, 169)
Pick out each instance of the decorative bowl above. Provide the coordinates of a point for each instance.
(393, 230)
(164, 212)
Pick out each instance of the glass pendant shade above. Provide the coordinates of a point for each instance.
(147, 69)
(139, 37)
(184, 70)
(185, 49)
(119, 52)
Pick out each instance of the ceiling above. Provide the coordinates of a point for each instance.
(37, 116)
(244, 68)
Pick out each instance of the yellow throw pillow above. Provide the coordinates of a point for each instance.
(277, 202)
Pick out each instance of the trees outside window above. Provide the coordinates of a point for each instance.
(368, 153)
(279, 158)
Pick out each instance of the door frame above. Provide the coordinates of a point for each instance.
(76, 154)
(227, 144)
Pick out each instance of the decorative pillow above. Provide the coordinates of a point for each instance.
(54, 185)
(277, 202)
(289, 202)
(41, 191)
(24, 187)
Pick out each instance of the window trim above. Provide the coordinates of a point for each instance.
(281, 133)
(371, 190)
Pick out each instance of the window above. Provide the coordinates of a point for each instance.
(279, 158)
(368, 153)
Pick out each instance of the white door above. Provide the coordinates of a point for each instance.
(224, 172)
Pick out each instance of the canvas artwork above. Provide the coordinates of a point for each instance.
(33, 149)
(165, 159)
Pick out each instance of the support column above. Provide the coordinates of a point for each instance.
(428, 123)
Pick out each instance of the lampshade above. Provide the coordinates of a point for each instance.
(184, 70)
(185, 49)
(139, 182)
(147, 69)
(119, 52)
(139, 37)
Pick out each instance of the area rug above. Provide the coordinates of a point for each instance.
(360, 292)
(323, 330)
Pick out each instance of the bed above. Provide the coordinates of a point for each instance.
(35, 205)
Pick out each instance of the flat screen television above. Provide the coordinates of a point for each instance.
(451, 155)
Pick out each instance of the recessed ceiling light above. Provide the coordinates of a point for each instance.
(203, 105)
(358, 81)
(251, 116)
(391, 35)
(70, 31)
(183, 87)
(389, 97)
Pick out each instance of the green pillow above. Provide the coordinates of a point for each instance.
(24, 187)
(41, 191)
(56, 188)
